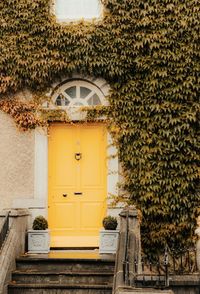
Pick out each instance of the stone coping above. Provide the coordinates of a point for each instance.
(143, 291)
(186, 279)
(14, 212)
(132, 211)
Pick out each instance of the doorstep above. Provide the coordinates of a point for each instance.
(72, 254)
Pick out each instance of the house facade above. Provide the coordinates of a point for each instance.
(65, 172)
(136, 59)
(68, 171)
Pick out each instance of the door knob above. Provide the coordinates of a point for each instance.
(64, 195)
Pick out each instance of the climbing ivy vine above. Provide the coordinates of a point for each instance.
(149, 53)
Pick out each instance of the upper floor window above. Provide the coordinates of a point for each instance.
(77, 9)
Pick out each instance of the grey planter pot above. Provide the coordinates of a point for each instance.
(38, 241)
(108, 241)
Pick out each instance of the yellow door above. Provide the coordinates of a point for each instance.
(77, 184)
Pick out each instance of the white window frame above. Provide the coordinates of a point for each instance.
(78, 18)
(78, 84)
(75, 113)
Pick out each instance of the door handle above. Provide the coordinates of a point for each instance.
(78, 156)
(64, 195)
(78, 193)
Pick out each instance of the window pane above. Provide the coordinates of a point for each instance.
(77, 9)
(94, 100)
(84, 92)
(66, 102)
(91, 8)
(59, 100)
(71, 92)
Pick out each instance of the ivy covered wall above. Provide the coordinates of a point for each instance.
(149, 52)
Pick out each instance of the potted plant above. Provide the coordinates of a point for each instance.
(38, 237)
(109, 235)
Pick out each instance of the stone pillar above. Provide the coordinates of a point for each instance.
(197, 232)
(131, 238)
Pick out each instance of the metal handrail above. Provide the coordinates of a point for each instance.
(4, 230)
(136, 270)
(157, 270)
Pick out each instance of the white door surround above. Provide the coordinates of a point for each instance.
(39, 204)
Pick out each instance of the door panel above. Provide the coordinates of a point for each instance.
(77, 184)
(65, 221)
(91, 147)
(94, 209)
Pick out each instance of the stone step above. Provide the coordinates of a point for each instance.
(57, 289)
(94, 278)
(62, 275)
(144, 291)
(63, 264)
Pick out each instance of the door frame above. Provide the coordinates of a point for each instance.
(39, 205)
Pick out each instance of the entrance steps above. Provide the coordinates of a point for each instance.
(61, 275)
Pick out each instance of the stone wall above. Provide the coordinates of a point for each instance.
(185, 284)
(14, 244)
(178, 284)
(16, 162)
(143, 291)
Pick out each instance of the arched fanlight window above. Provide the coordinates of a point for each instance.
(77, 93)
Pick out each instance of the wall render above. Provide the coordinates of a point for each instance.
(16, 162)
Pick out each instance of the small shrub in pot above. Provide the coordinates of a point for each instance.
(40, 223)
(110, 223)
(109, 236)
(38, 237)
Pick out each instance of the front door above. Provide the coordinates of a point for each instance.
(77, 184)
